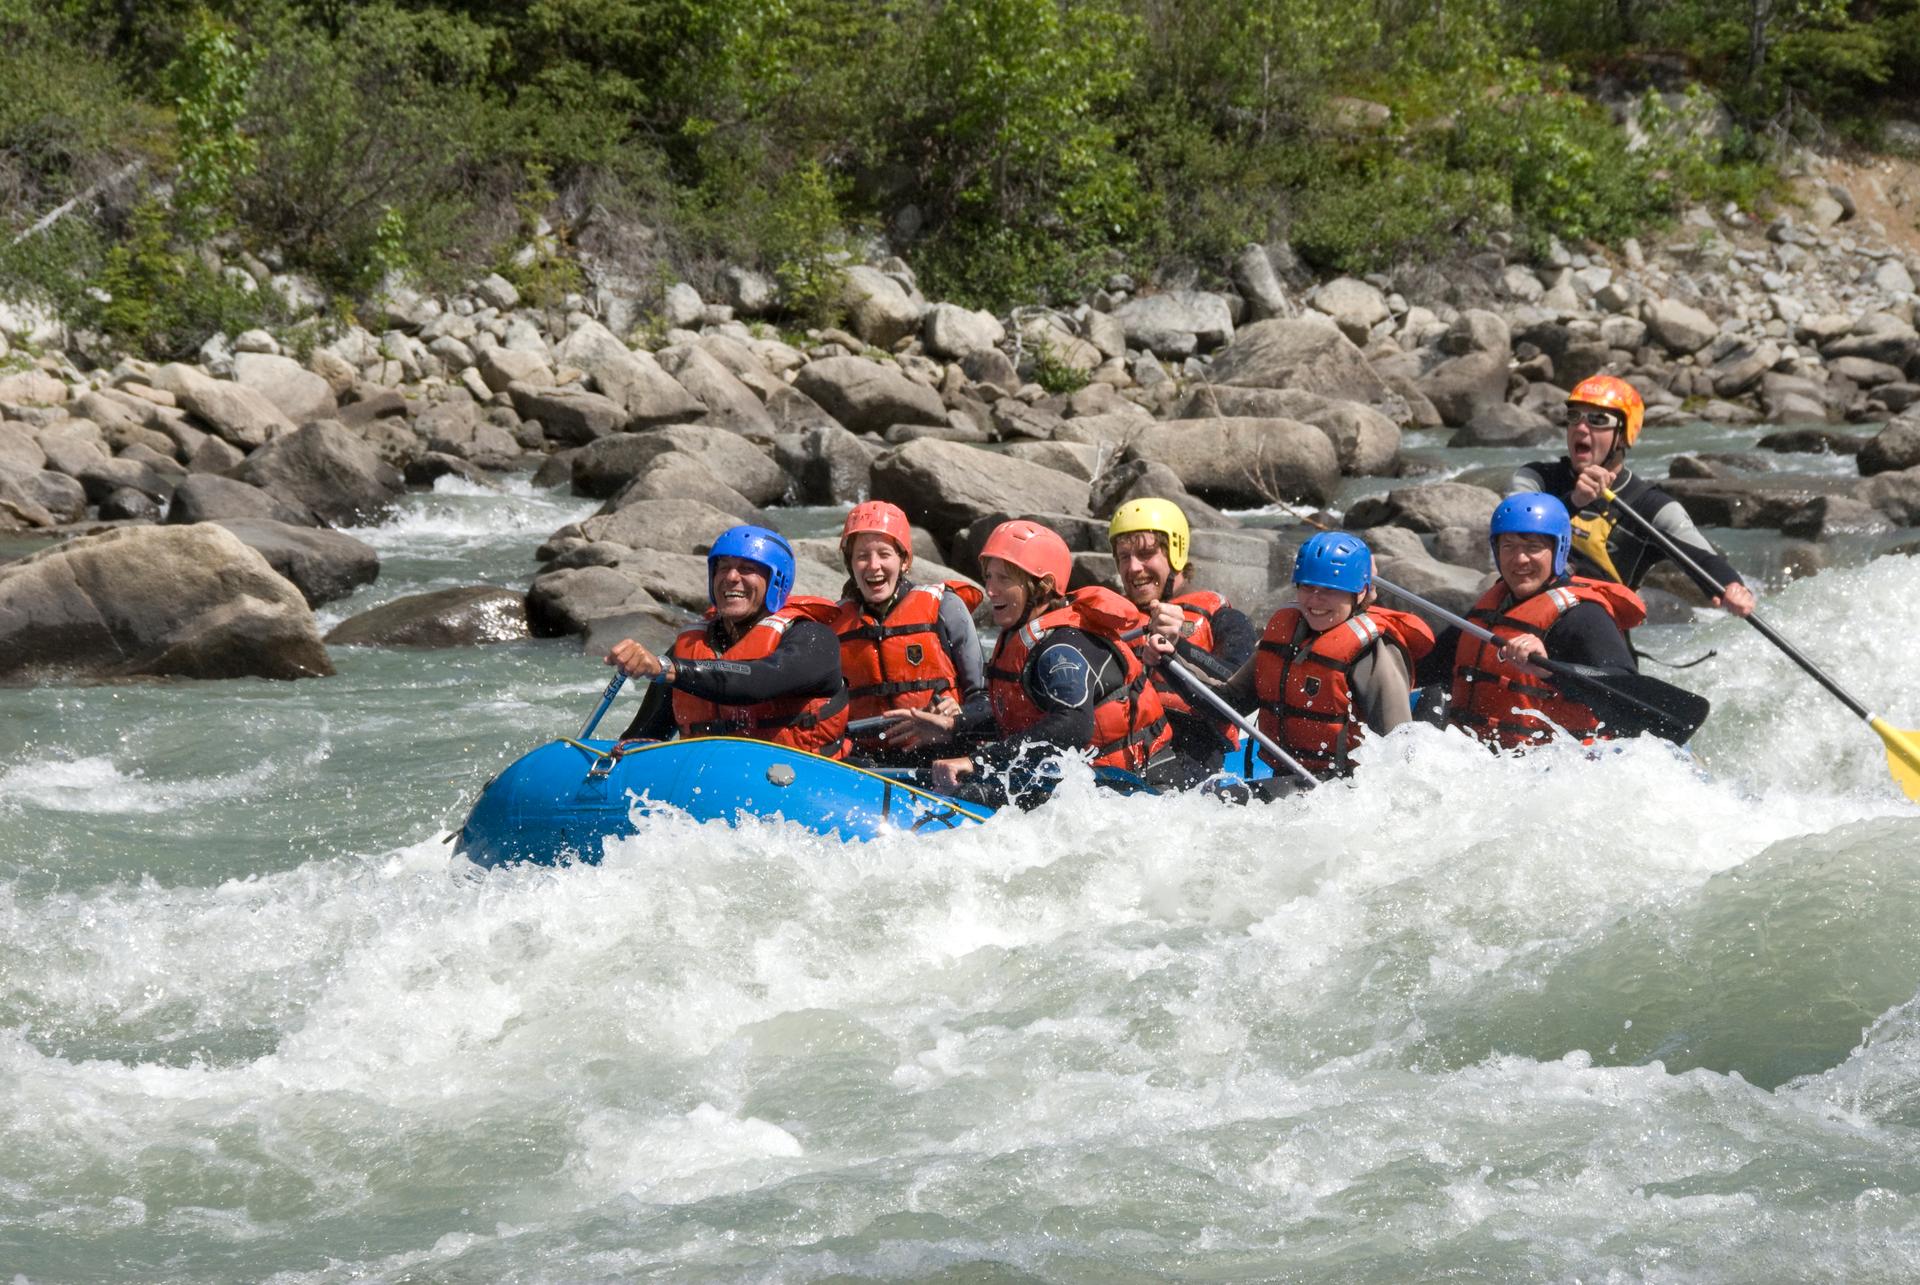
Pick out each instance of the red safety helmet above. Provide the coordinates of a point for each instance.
(1035, 549)
(1612, 393)
(881, 518)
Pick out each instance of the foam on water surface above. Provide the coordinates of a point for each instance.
(1624, 1015)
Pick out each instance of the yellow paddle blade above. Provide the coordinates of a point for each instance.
(1903, 755)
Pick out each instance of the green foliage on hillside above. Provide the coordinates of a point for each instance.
(1021, 149)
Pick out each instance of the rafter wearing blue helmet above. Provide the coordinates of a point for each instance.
(1531, 513)
(762, 665)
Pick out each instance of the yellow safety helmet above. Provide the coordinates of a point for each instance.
(1163, 516)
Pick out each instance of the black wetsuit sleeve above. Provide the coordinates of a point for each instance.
(1437, 665)
(1586, 635)
(653, 721)
(806, 662)
(1234, 639)
(1670, 518)
(1067, 674)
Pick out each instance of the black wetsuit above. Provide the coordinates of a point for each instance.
(805, 662)
(1068, 676)
(1632, 552)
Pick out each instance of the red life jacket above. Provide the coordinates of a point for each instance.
(1490, 695)
(1199, 606)
(1129, 725)
(816, 723)
(898, 662)
(1301, 680)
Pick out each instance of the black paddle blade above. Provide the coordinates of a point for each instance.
(1632, 704)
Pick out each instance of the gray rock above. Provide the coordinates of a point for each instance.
(496, 291)
(1131, 478)
(748, 293)
(1072, 458)
(297, 392)
(569, 600)
(462, 617)
(571, 416)
(676, 525)
(678, 475)
(682, 307)
(1367, 442)
(1865, 371)
(1895, 493)
(607, 466)
(1462, 388)
(828, 464)
(19, 451)
(1507, 425)
(208, 497)
(951, 332)
(948, 486)
(1678, 327)
(239, 415)
(1355, 306)
(1433, 506)
(792, 411)
(1741, 369)
(1177, 322)
(325, 467)
(881, 311)
(1771, 502)
(632, 380)
(1812, 441)
(186, 602)
(1892, 277)
(868, 396)
(1259, 284)
(730, 404)
(322, 565)
(1307, 353)
(1893, 448)
(991, 367)
(1239, 461)
(503, 367)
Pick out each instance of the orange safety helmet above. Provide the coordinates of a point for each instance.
(1612, 393)
(880, 518)
(1033, 548)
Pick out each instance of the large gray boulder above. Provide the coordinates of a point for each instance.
(501, 368)
(209, 497)
(1507, 425)
(948, 486)
(185, 602)
(1463, 387)
(569, 600)
(1367, 442)
(951, 332)
(730, 403)
(297, 392)
(608, 465)
(462, 617)
(1177, 322)
(242, 416)
(1355, 306)
(323, 565)
(326, 467)
(679, 525)
(869, 396)
(1242, 462)
(1680, 328)
(828, 464)
(571, 416)
(1433, 506)
(878, 307)
(1895, 447)
(1307, 353)
(34, 499)
(678, 475)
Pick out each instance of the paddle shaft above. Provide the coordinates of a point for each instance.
(1193, 683)
(1767, 631)
(606, 702)
(1458, 622)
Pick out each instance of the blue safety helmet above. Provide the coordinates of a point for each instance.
(1533, 513)
(1334, 560)
(756, 544)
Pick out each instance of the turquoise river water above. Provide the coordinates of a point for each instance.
(1626, 1018)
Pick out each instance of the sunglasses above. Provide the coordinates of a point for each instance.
(1597, 419)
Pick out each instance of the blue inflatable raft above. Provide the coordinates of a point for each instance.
(564, 800)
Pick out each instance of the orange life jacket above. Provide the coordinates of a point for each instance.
(898, 662)
(816, 723)
(1301, 680)
(1129, 724)
(1490, 696)
(1199, 606)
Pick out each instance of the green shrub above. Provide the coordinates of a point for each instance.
(164, 303)
(1051, 373)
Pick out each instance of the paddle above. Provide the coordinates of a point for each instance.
(1903, 747)
(1629, 704)
(606, 701)
(1192, 682)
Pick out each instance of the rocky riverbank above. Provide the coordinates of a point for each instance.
(222, 485)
